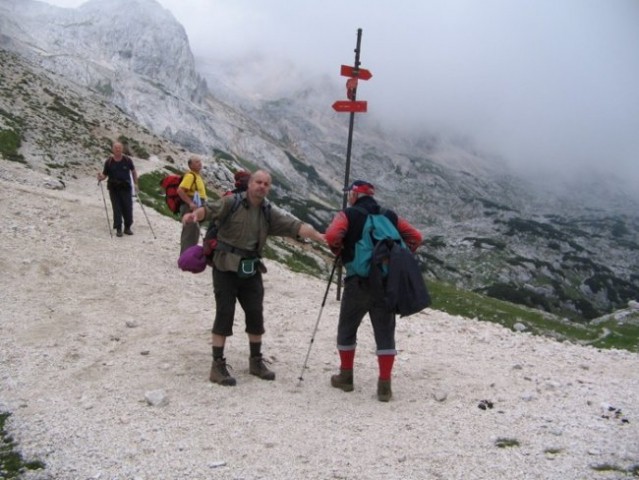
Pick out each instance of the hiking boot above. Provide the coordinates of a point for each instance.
(257, 368)
(128, 231)
(118, 232)
(343, 380)
(384, 392)
(220, 374)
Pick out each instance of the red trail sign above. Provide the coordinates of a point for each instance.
(350, 106)
(361, 73)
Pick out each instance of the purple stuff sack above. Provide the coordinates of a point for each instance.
(192, 259)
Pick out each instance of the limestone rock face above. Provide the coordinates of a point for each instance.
(126, 67)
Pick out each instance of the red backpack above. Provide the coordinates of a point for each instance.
(170, 185)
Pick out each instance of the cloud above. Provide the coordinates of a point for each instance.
(544, 84)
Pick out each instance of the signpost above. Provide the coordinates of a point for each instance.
(352, 106)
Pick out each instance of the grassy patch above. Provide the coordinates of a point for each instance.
(609, 334)
(295, 259)
(506, 442)
(12, 465)
(607, 467)
(9, 144)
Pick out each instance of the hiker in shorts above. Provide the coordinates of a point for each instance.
(237, 269)
(359, 298)
(119, 170)
(192, 192)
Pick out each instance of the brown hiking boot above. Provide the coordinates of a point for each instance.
(257, 368)
(220, 374)
(384, 392)
(343, 380)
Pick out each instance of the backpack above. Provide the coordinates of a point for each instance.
(170, 185)
(392, 270)
(403, 289)
(376, 227)
(209, 243)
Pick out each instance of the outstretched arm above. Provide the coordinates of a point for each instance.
(410, 234)
(307, 231)
(336, 232)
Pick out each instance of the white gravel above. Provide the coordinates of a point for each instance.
(105, 358)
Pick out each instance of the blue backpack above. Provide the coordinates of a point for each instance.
(377, 227)
(393, 271)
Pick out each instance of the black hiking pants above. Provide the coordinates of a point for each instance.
(358, 300)
(190, 231)
(122, 203)
(229, 287)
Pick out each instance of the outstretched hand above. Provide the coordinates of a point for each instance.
(189, 218)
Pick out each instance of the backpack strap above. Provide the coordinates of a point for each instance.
(215, 226)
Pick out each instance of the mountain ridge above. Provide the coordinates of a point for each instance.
(486, 228)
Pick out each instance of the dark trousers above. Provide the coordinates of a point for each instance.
(358, 300)
(190, 231)
(227, 287)
(122, 203)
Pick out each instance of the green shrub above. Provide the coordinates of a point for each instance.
(12, 465)
(9, 145)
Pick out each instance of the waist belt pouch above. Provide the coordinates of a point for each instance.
(248, 267)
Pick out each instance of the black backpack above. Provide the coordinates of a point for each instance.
(403, 287)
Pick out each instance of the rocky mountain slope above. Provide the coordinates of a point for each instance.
(71, 85)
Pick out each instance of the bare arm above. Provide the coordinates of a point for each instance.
(307, 231)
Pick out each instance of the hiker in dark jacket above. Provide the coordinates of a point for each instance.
(359, 298)
(119, 169)
(237, 270)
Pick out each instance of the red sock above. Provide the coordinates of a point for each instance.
(385, 366)
(346, 357)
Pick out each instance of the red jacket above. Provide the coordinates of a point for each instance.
(339, 238)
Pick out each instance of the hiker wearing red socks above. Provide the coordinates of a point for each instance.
(360, 298)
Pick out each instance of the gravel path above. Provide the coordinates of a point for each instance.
(93, 329)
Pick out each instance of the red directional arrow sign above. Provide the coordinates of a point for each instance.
(360, 73)
(350, 106)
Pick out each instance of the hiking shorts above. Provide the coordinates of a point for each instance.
(229, 287)
(358, 300)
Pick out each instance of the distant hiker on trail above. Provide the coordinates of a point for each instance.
(192, 192)
(237, 269)
(119, 169)
(241, 182)
(359, 298)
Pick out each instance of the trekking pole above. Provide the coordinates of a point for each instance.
(105, 209)
(144, 212)
(328, 286)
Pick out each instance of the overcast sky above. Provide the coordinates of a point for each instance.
(543, 82)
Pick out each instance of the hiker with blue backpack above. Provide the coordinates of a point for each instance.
(348, 236)
(243, 227)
